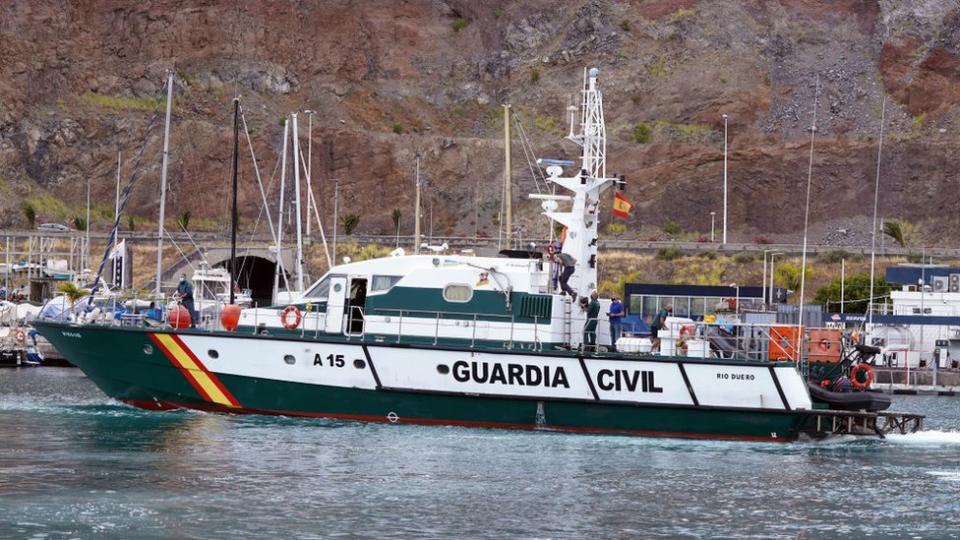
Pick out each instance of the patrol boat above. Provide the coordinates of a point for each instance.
(460, 340)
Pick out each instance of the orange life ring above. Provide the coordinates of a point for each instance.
(21, 335)
(284, 320)
(855, 381)
(824, 345)
(686, 331)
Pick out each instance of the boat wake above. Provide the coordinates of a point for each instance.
(44, 404)
(926, 438)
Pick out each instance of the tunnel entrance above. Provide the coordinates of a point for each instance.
(255, 273)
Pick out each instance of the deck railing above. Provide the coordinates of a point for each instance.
(700, 339)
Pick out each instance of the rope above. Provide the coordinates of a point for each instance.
(806, 218)
(529, 154)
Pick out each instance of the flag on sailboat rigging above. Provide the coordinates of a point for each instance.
(621, 206)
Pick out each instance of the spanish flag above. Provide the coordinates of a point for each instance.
(621, 206)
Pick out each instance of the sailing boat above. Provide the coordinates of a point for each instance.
(458, 340)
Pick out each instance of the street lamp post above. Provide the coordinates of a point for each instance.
(724, 179)
(713, 215)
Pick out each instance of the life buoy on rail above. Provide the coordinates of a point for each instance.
(285, 319)
(21, 336)
(686, 332)
(855, 379)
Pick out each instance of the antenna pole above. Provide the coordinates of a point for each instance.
(163, 182)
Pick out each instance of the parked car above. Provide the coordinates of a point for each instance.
(53, 227)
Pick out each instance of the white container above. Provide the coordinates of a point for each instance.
(698, 348)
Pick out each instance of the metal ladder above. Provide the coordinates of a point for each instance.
(567, 319)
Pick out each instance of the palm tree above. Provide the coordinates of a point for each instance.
(30, 213)
(895, 230)
(72, 291)
(183, 220)
(395, 216)
(349, 223)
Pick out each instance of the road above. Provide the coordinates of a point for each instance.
(732, 248)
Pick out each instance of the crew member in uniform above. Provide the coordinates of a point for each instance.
(185, 292)
(615, 314)
(658, 323)
(569, 265)
(590, 328)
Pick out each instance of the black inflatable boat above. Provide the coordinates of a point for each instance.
(850, 401)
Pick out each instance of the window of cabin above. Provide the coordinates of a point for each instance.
(383, 283)
(457, 292)
(321, 289)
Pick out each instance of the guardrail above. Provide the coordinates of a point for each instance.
(462, 242)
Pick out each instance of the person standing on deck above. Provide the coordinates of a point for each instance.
(658, 323)
(615, 314)
(185, 292)
(590, 328)
(568, 262)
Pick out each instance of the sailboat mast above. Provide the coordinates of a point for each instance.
(876, 200)
(283, 181)
(296, 195)
(163, 182)
(233, 208)
(507, 179)
(86, 240)
(309, 167)
(116, 210)
(416, 213)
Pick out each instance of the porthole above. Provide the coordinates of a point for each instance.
(359, 364)
(337, 287)
(213, 354)
(290, 359)
(443, 369)
(148, 349)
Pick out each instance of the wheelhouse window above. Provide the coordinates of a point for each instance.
(321, 289)
(383, 283)
(457, 292)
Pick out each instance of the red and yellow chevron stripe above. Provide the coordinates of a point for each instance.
(207, 384)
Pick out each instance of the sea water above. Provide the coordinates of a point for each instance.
(75, 464)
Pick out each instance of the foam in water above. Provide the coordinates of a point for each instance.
(949, 476)
(932, 437)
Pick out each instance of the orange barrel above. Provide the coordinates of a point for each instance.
(178, 317)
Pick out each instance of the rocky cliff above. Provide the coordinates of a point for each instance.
(387, 80)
